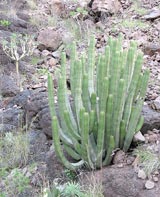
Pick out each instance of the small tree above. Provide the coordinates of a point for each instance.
(17, 48)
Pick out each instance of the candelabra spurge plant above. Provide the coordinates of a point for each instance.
(18, 48)
(107, 93)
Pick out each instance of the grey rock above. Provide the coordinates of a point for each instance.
(8, 86)
(23, 15)
(11, 119)
(151, 48)
(156, 103)
(20, 99)
(138, 137)
(45, 121)
(142, 174)
(152, 15)
(37, 102)
(38, 145)
(40, 175)
(151, 119)
(106, 6)
(120, 183)
(149, 184)
(54, 167)
(18, 4)
(119, 157)
(49, 39)
(4, 59)
(123, 182)
(56, 54)
(31, 104)
(10, 69)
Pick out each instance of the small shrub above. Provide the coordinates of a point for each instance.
(14, 150)
(72, 189)
(93, 186)
(149, 160)
(71, 175)
(15, 183)
(79, 13)
(132, 24)
(4, 23)
(17, 48)
(137, 6)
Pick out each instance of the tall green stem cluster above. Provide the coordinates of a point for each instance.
(108, 92)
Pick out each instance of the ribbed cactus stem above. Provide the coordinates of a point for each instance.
(100, 75)
(58, 149)
(140, 123)
(107, 96)
(144, 84)
(72, 62)
(122, 133)
(63, 66)
(100, 138)
(107, 60)
(129, 65)
(132, 89)
(132, 124)
(51, 96)
(111, 147)
(92, 117)
(71, 151)
(70, 128)
(102, 96)
(85, 93)
(109, 130)
(118, 112)
(62, 108)
(91, 65)
(85, 134)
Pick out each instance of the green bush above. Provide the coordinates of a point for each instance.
(4, 23)
(15, 183)
(14, 150)
(108, 91)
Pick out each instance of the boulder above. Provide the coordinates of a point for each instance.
(20, 99)
(57, 7)
(37, 101)
(154, 14)
(151, 119)
(156, 104)
(49, 39)
(38, 145)
(106, 6)
(45, 121)
(151, 48)
(11, 119)
(8, 86)
(4, 59)
(54, 167)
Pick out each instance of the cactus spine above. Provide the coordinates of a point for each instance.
(107, 93)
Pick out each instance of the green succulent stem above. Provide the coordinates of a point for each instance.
(102, 112)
